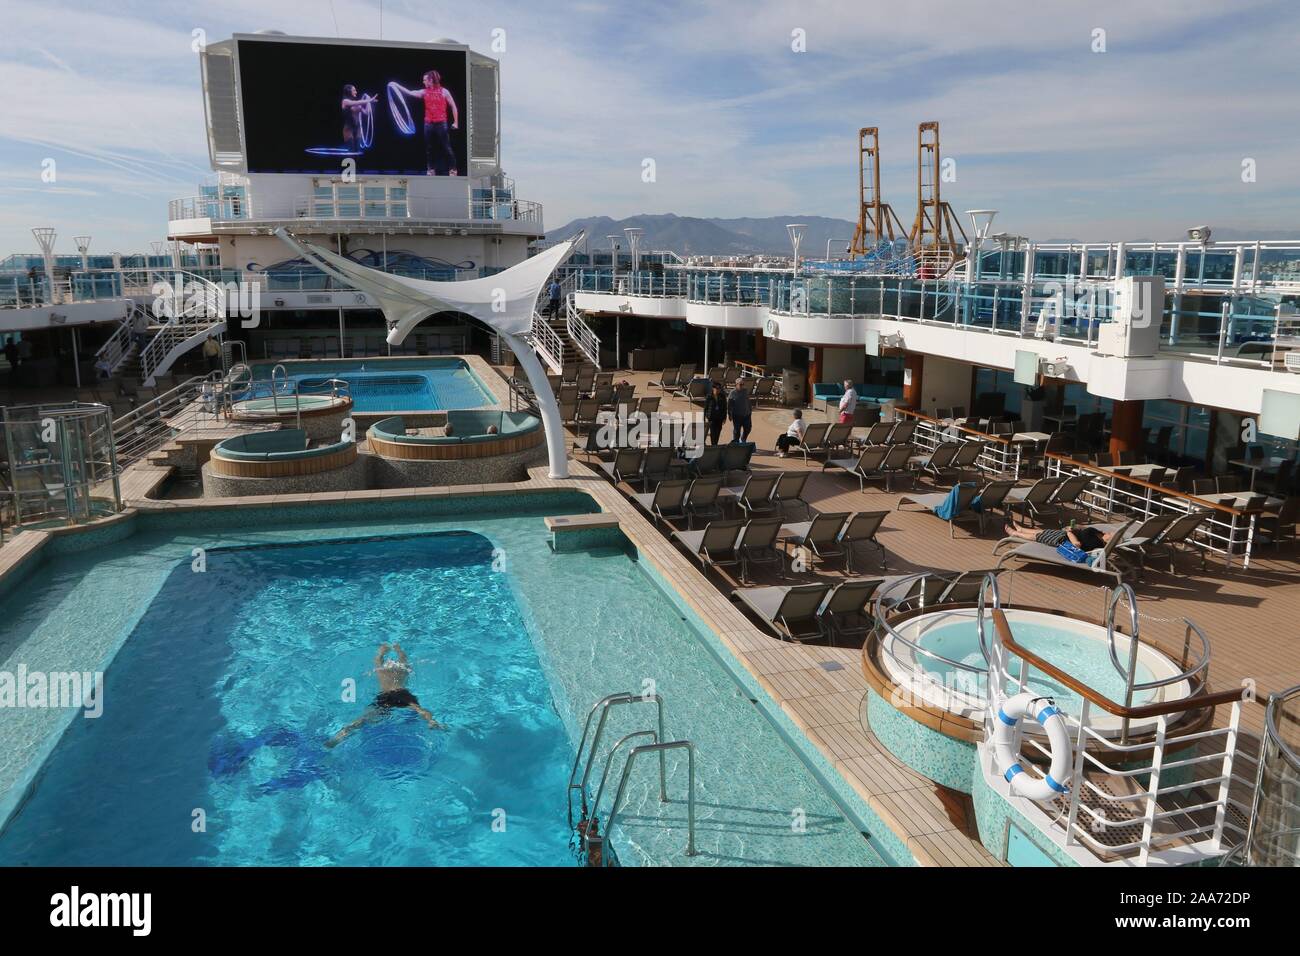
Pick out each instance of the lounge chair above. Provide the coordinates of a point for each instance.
(837, 437)
(1071, 490)
(696, 390)
(791, 612)
(964, 589)
(656, 466)
(897, 462)
(967, 457)
(1103, 562)
(865, 467)
(910, 592)
(902, 432)
(707, 462)
(626, 465)
(702, 500)
(715, 546)
(667, 379)
(789, 488)
(861, 529)
(1141, 538)
(754, 498)
(667, 502)
(821, 535)
(1178, 537)
(592, 446)
(939, 462)
(1035, 500)
(847, 613)
(758, 544)
(958, 498)
(736, 457)
(763, 391)
(813, 436)
(878, 434)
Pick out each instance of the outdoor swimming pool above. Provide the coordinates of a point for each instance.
(228, 680)
(388, 385)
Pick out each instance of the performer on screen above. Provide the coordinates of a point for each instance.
(353, 107)
(438, 104)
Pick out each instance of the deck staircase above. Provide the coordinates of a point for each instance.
(195, 314)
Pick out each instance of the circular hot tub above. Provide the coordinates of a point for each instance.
(935, 658)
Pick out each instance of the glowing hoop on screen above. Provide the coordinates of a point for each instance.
(366, 125)
(332, 151)
(397, 105)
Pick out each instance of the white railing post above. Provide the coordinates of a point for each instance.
(1153, 789)
(1229, 752)
(1076, 787)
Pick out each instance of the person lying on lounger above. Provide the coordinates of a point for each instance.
(1083, 538)
(393, 693)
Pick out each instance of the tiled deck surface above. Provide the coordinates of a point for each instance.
(1250, 617)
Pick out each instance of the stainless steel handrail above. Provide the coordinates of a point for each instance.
(883, 623)
(609, 762)
(659, 748)
(1202, 664)
(990, 584)
(602, 706)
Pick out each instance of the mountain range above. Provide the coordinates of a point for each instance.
(689, 235)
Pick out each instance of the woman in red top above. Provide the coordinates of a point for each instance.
(439, 157)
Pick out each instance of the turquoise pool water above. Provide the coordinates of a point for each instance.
(220, 686)
(1085, 658)
(393, 385)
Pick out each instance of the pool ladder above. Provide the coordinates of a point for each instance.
(587, 827)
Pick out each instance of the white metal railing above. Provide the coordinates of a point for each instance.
(147, 427)
(547, 343)
(1227, 531)
(117, 349)
(1174, 784)
(197, 308)
(207, 207)
(580, 333)
(1000, 457)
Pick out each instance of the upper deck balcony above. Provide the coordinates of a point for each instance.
(488, 206)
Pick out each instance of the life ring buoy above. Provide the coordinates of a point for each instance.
(1043, 711)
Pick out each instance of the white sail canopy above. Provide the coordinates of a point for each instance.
(503, 302)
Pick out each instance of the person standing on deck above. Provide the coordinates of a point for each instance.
(741, 412)
(715, 411)
(848, 403)
(554, 291)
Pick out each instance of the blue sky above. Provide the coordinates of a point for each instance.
(1139, 141)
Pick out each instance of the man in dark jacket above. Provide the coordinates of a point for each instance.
(715, 411)
(742, 413)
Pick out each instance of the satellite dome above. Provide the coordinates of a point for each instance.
(271, 33)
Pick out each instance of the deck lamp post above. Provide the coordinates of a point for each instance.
(796, 231)
(83, 246)
(45, 236)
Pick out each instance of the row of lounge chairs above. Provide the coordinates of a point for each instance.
(585, 412)
(807, 612)
(682, 382)
(659, 463)
(742, 543)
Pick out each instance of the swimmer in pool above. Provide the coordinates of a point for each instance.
(393, 693)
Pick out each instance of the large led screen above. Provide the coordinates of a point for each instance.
(311, 107)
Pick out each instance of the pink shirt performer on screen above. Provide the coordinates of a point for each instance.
(440, 158)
